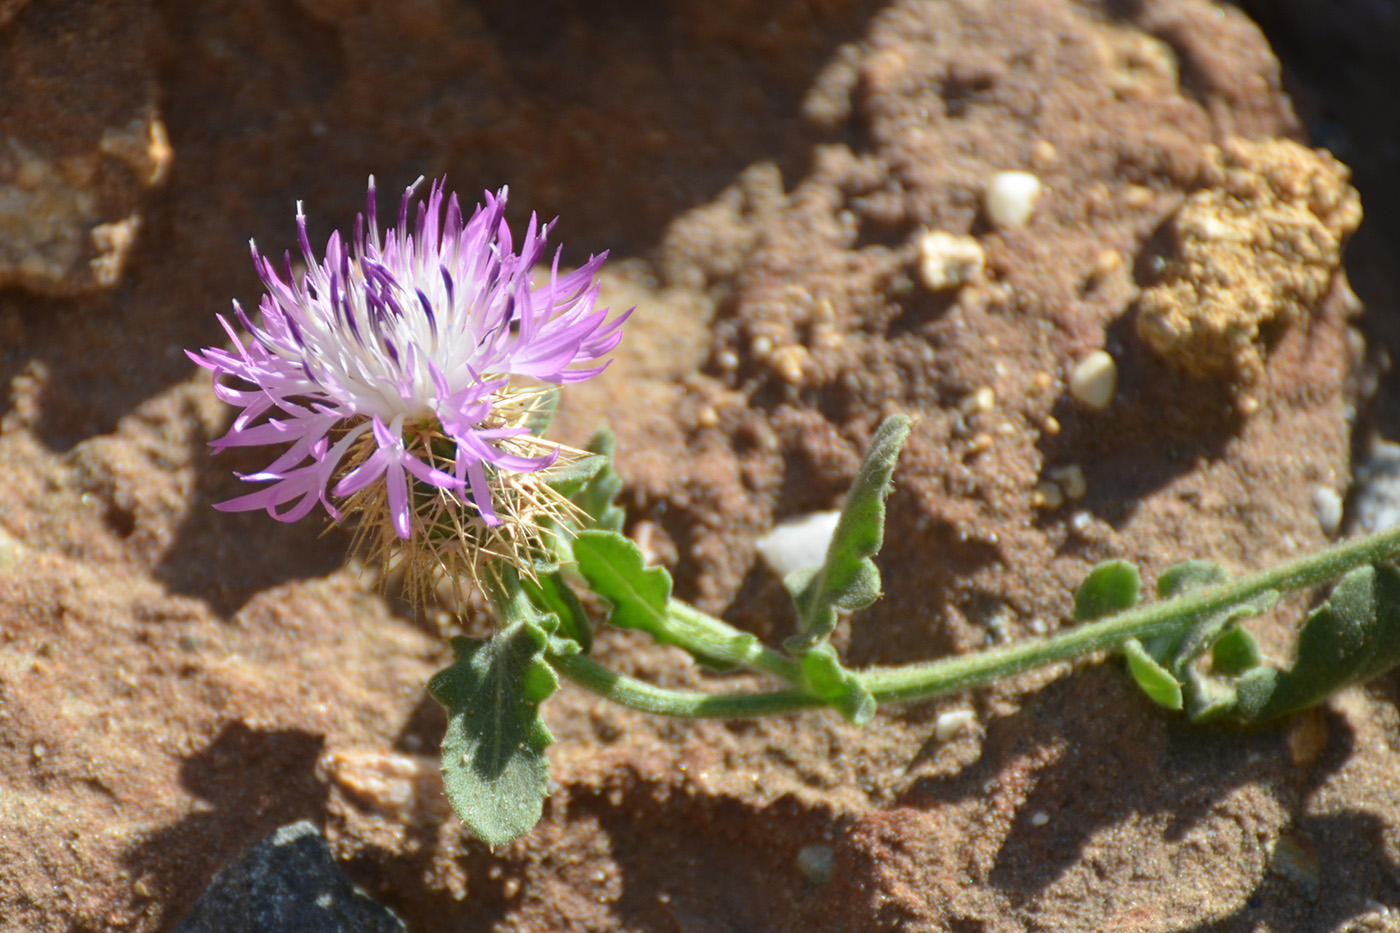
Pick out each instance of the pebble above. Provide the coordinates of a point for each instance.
(816, 862)
(1327, 506)
(1376, 496)
(947, 261)
(1071, 480)
(798, 543)
(952, 722)
(1047, 496)
(1094, 380)
(1010, 199)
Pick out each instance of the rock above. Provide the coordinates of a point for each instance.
(288, 882)
(73, 179)
(1257, 246)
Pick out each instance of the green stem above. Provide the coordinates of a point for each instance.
(703, 634)
(629, 691)
(933, 678)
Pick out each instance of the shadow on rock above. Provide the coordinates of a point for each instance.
(1088, 753)
(251, 782)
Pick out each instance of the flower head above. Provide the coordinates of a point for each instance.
(402, 375)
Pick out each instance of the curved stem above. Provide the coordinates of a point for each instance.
(933, 678)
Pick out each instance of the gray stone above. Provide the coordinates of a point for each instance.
(288, 882)
(1376, 489)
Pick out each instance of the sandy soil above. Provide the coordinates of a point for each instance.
(175, 682)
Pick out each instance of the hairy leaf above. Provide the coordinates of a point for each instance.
(1352, 637)
(552, 593)
(848, 579)
(541, 416)
(596, 496)
(493, 763)
(1189, 577)
(1112, 586)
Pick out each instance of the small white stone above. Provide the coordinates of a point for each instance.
(983, 400)
(816, 862)
(1010, 199)
(798, 543)
(1327, 506)
(952, 722)
(1040, 818)
(1094, 380)
(1071, 480)
(1047, 495)
(947, 261)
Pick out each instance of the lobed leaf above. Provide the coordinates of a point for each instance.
(493, 763)
(616, 570)
(596, 496)
(848, 579)
(553, 594)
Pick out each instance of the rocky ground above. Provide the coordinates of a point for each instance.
(175, 683)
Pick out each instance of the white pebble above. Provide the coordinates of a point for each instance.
(1094, 380)
(1039, 818)
(1071, 480)
(947, 261)
(798, 543)
(952, 722)
(1327, 506)
(816, 862)
(1011, 198)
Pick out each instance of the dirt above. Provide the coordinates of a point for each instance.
(176, 682)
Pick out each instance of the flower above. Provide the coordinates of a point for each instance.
(404, 376)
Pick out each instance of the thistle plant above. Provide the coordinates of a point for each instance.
(408, 382)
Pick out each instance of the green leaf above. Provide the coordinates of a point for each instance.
(596, 496)
(1235, 653)
(1190, 576)
(824, 677)
(574, 475)
(493, 763)
(552, 594)
(1351, 638)
(541, 415)
(615, 570)
(1112, 586)
(848, 579)
(1154, 679)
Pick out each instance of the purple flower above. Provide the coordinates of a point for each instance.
(403, 371)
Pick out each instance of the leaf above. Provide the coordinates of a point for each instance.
(848, 578)
(641, 599)
(1352, 637)
(1111, 587)
(493, 763)
(1154, 679)
(596, 496)
(1235, 653)
(1169, 668)
(552, 593)
(615, 570)
(1190, 576)
(575, 474)
(824, 677)
(541, 414)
